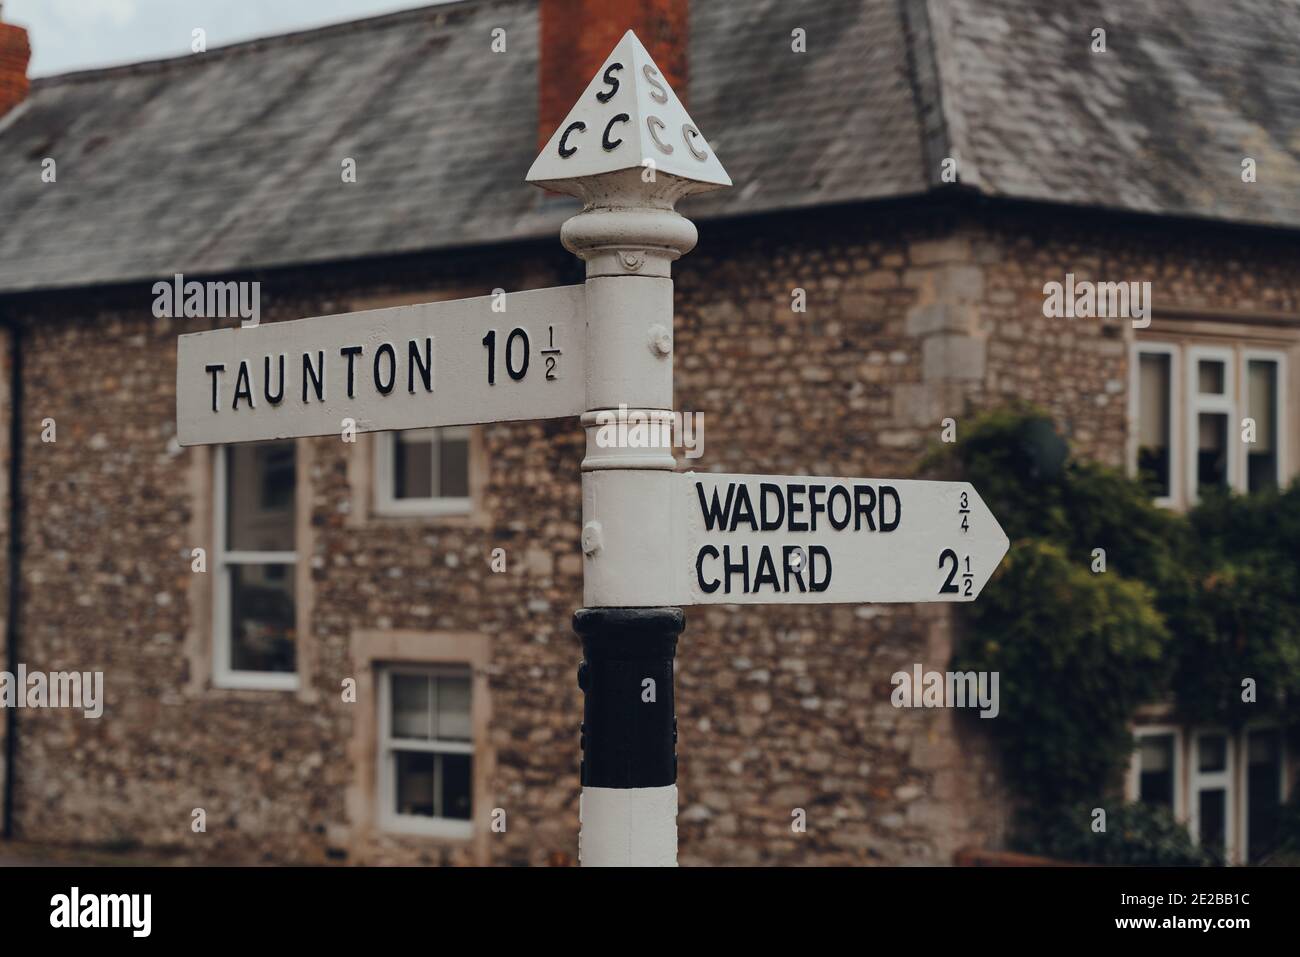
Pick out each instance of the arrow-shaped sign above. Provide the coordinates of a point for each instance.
(489, 359)
(786, 539)
(752, 539)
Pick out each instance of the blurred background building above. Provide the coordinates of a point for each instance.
(919, 169)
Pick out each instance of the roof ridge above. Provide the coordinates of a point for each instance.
(448, 8)
(940, 16)
(923, 77)
(931, 59)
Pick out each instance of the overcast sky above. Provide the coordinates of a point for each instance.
(79, 34)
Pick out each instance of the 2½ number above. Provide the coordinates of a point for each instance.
(950, 586)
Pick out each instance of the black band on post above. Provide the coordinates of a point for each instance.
(629, 726)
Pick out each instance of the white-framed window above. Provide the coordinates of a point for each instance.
(1212, 421)
(423, 472)
(1188, 403)
(426, 745)
(1210, 793)
(1264, 784)
(1155, 378)
(254, 634)
(1263, 387)
(1227, 787)
(1156, 771)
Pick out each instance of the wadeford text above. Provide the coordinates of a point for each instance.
(861, 507)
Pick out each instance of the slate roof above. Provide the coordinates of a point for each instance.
(230, 160)
(1159, 123)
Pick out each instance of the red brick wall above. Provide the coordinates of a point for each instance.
(978, 857)
(577, 35)
(15, 52)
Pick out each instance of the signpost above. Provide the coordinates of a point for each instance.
(653, 539)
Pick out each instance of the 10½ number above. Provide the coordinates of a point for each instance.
(516, 354)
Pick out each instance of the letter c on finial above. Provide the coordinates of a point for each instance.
(688, 132)
(565, 149)
(652, 122)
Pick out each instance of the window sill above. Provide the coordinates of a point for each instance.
(256, 681)
(446, 829)
(425, 506)
(468, 517)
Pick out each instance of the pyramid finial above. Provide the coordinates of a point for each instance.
(628, 118)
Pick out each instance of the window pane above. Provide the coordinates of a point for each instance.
(1264, 786)
(434, 785)
(1209, 376)
(412, 466)
(1212, 449)
(432, 706)
(261, 618)
(260, 497)
(453, 709)
(1154, 378)
(1156, 767)
(1212, 819)
(453, 467)
(1212, 753)
(1264, 747)
(456, 775)
(1261, 394)
(411, 707)
(415, 782)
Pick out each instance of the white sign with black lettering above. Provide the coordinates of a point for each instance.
(758, 539)
(438, 363)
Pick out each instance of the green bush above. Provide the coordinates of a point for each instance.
(1286, 852)
(1188, 607)
(1077, 653)
(1243, 619)
(1136, 834)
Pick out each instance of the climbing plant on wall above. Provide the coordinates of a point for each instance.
(1186, 609)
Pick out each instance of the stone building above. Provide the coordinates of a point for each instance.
(348, 679)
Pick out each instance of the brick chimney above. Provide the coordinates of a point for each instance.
(15, 52)
(577, 35)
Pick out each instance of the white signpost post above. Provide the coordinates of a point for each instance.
(653, 539)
